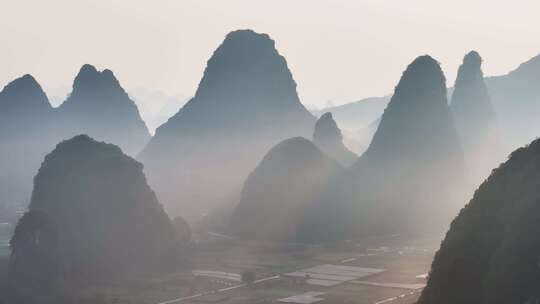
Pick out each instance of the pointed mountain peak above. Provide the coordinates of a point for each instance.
(88, 69)
(248, 63)
(419, 88)
(248, 36)
(326, 129)
(424, 77)
(100, 107)
(26, 82)
(327, 137)
(24, 92)
(470, 71)
(424, 61)
(473, 59)
(86, 72)
(417, 112)
(474, 118)
(424, 65)
(89, 77)
(469, 86)
(246, 100)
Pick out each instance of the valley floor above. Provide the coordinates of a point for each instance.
(214, 277)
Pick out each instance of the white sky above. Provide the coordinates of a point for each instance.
(338, 50)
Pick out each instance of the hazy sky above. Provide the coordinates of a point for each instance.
(337, 50)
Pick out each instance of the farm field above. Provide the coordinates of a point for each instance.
(215, 274)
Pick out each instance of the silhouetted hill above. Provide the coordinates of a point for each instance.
(246, 102)
(92, 216)
(25, 117)
(357, 114)
(516, 100)
(99, 106)
(23, 98)
(356, 120)
(283, 198)
(475, 119)
(328, 138)
(491, 254)
(413, 174)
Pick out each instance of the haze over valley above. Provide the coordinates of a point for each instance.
(256, 187)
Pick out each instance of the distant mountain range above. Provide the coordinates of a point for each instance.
(516, 100)
(515, 97)
(246, 103)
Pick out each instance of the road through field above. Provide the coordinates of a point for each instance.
(178, 300)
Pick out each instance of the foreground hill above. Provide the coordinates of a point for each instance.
(99, 106)
(475, 119)
(413, 174)
(92, 217)
(246, 102)
(283, 198)
(491, 254)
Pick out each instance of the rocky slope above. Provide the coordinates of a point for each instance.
(491, 254)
